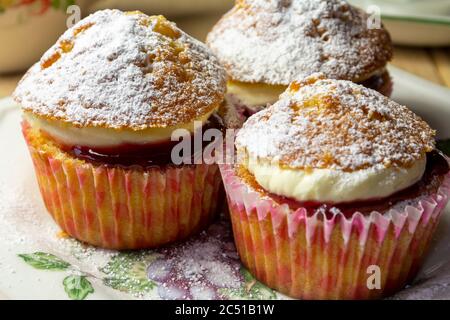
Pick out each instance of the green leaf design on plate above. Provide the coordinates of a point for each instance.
(251, 289)
(77, 287)
(444, 146)
(45, 261)
(127, 272)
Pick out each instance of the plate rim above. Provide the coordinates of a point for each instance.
(423, 19)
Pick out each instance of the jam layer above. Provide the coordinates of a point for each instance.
(437, 167)
(144, 155)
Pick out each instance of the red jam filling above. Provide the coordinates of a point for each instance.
(436, 168)
(144, 155)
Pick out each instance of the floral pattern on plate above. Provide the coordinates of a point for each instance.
(205, 267)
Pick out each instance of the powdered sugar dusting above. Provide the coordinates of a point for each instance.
(324, 123)
(115, 69)
(199, 268)
(205, 267)
(276, 41)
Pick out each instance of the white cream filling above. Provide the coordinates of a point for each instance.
(106, 137)
(334, 186)
(255, 94)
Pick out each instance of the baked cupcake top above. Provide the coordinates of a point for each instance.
(277, 41)
(355, 141)
(119, 70)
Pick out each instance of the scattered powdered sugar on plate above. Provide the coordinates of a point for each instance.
(199, 268)
(324, 123)
(25, 223)
(124, 70)
(204, 267)
(278, 41)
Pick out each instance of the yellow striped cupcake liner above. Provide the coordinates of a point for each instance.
(125, 208)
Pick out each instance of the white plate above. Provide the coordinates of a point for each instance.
(425, 98)
(205, 267)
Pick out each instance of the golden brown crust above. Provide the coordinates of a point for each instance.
(124, 71)
(276, 41)
(324, 123)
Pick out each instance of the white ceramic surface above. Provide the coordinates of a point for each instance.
(25, 227)
(427, 99)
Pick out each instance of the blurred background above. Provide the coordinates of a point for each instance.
(420, 29)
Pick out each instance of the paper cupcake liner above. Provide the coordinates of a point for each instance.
(315, 257)
(127, 208)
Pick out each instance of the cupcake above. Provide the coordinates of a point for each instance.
(342, 184)
(266, 44)
(99, 110)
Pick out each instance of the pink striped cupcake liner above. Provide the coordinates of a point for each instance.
(126, 208)
(318, 257)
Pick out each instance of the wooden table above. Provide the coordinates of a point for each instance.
(431, 64)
